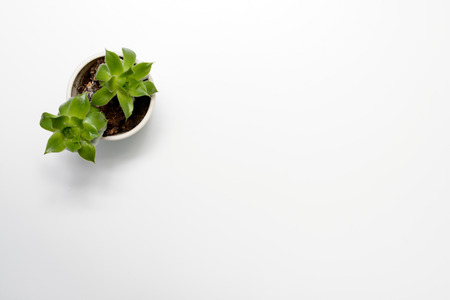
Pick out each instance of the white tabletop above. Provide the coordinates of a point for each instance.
(297, 150)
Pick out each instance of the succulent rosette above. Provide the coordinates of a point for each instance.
(76, 126)
(124, 79)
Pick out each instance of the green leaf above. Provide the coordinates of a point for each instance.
(126, 74)
(103, 73)
(87, 151)
(114, 63)
(60, 122)
(151, 89)
(126, 102)
(75, 122)
(102, 96)
(121, 82)
(72, 145)
(96, 119)
(71, 132)
(93, 109)
(111, 84)
(46, 121)
(139, 91)
(129, 57)
(64, 108)
(77, 106)
(55, 143)
(90, 132)
(133, 82)
(141, 70)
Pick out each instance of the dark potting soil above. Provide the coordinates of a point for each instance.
(112, 110)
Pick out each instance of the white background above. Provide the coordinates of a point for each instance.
(297, 150)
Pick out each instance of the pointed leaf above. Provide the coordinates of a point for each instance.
(103, 73)
(129, 57)
(114, 63)
(141, 70)
(126, 102)
(96, 119)
(151, 89)
(111, 84)
(72, 144)
(87, 151)
(55, 143)
(102, 96)
(46, 121)
(138, 90)
(127, 73)
(77, 106)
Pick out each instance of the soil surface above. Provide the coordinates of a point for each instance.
(112, 110)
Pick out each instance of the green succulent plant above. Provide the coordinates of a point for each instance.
(123, 78)
(75, 127)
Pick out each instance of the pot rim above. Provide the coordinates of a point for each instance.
(119, 136)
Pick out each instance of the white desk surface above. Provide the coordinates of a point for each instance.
(297, 150)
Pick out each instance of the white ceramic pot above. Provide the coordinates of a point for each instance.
(72, 91)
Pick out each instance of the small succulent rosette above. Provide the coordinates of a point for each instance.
(123, 78)
(77, 127)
